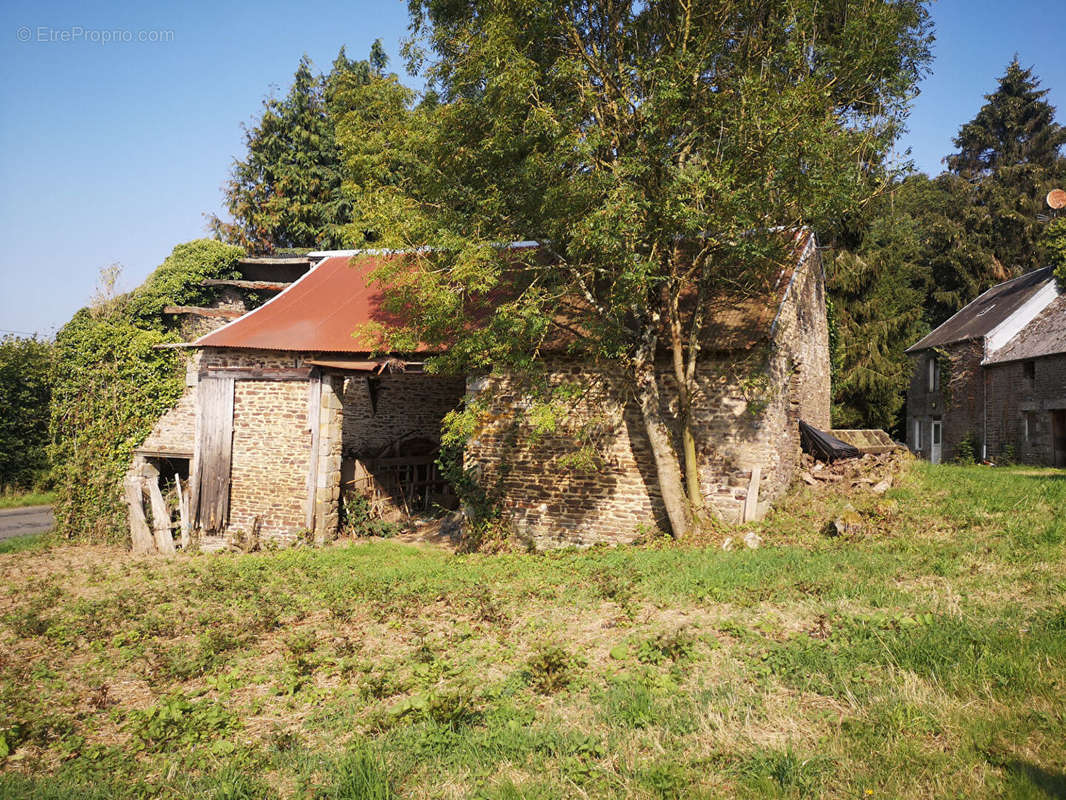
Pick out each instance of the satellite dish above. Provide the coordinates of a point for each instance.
(1056, 198)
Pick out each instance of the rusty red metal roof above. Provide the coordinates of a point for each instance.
(317, 313)
(323, 311)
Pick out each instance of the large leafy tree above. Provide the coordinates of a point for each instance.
(651, 149)
(287, 191)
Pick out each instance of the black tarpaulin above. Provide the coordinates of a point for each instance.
(823, 446)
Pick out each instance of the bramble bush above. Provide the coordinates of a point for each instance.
(111, 385)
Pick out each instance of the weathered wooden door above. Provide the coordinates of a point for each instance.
(1058, 438)
(214, 451)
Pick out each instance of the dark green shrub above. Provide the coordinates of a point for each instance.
(551, 669)
(966, 450)
(25, 394)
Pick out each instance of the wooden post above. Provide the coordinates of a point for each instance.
(314, 422)
(139, 532)
(164, 537)
(751, 502)
(183, 513)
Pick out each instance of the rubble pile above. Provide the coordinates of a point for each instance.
(875, 472)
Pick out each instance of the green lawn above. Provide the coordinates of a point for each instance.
(926, 658)
(21, 499)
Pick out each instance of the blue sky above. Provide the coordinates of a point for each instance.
(113, 151)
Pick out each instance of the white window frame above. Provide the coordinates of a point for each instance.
(1025, 423)
(934, 373)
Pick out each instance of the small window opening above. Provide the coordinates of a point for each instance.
(1029, 370)
(934, 373)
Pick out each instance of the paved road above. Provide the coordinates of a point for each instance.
(24, 521)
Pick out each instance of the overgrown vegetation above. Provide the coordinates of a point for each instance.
(924, 658)
(25, 392)
(111, 383)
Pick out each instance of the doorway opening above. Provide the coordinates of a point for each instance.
(1058, 438)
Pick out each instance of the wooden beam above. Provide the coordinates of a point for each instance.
(751, 502)
(258, 374)
(279, 260)
(183, 514)
(265, 286)
(164, 535)
(140, 533)
(222, 313)
(314, 422)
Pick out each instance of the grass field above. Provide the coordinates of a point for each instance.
(10, 499)
(925, 658)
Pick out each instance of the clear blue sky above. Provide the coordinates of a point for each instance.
(114, 151)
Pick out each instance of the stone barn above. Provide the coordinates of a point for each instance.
(992, 379)
(285, 411)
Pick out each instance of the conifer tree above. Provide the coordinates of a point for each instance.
(1011, 153)
(288, 190)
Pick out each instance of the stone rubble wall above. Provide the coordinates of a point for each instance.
(271, 458)
(408, 405)
(1012, 397)
(747, 408)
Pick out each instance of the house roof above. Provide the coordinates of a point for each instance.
(320, 311)
(1044, 336)
(988, 311)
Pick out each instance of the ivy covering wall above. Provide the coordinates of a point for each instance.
(111, 384)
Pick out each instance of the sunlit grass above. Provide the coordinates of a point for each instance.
(924, 658)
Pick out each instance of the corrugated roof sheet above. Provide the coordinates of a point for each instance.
(320, 311)
(987, 311)
(1044, 336)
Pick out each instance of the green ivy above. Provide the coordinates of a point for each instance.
(111, 384)
(1055, 241)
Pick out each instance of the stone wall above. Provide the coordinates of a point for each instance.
(747, 407)
(271, 457)
(958, 402)
(407, 405)
(273, 435)
(1015, 398)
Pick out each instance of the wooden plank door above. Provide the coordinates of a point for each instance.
(214, 448)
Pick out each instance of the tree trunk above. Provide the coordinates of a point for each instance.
(684, 409)
(667, 468)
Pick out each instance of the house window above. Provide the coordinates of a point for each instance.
(934, 374)
(917, 434)
(1029, 370)
(1027, 426)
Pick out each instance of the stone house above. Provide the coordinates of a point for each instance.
(286, 411)
(994, 377)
